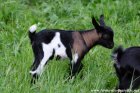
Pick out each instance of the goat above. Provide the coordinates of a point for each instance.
(127, 66)
(72, 44)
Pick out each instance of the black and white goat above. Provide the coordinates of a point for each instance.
(72, 44)
(127, 66)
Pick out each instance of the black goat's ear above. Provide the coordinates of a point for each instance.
(102, 23)
(96, 25)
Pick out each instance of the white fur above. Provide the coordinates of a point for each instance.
(74, 58)
(115, 57)
(33, 28)
(61, 51)
(48, 50)
(116, 60)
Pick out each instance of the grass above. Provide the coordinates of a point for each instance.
(16, 56)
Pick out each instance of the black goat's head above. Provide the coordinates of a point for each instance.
(106, 32)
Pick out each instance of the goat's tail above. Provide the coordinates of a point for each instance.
(32, 32)
(117, 53)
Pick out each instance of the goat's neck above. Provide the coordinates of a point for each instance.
(91, 37)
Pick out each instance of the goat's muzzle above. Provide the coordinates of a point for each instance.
(111, 45)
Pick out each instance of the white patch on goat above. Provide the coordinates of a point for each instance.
(116, 60)
(61, 51)
(33, 28)
(47, 54)
(48, 51)
(114, 56)
(74, 58)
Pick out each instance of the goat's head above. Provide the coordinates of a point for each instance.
(106, 33)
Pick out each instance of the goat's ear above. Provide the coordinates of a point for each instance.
(96, 25)
(102, 23)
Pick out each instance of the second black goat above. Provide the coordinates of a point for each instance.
(127, 66)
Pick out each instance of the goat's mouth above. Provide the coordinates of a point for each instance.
(110, 45)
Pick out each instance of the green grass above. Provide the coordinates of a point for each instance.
(16, 56)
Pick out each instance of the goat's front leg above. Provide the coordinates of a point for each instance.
(76, 68)
(76, 65)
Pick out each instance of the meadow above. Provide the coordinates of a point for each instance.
(16, 55)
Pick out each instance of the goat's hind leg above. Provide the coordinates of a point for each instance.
(38, 71)
(40, 68)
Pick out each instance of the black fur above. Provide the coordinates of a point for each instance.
(107, 35)
(58, 57)
(59, 45)
(38, 55)
(67, 40)
(45, 36)
(102, 23)
(127, 67)
(32, 36)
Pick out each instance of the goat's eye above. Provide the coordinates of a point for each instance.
(106, 36)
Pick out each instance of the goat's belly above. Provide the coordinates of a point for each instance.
(61, 53)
